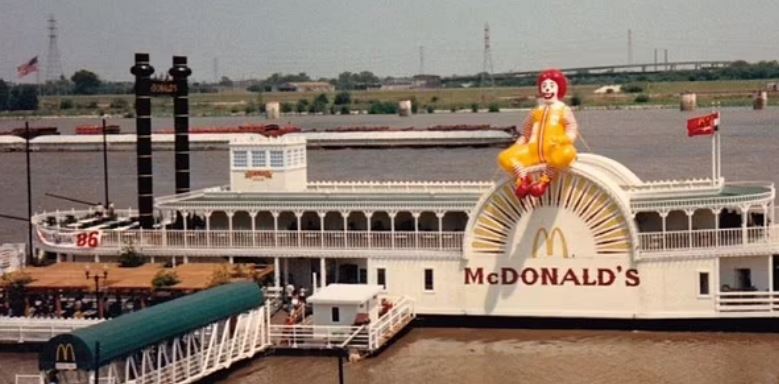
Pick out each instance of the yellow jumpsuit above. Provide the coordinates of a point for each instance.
(548, 138)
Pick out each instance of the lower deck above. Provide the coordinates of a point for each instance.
(743, 286)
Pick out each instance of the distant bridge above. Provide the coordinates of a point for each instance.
(604, 70)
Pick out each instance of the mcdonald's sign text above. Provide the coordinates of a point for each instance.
(553, 276)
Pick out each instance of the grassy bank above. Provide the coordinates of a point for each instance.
(727, 93)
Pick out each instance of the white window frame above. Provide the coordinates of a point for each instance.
(432, 280)
(271, 159)
(384, 284)
(698, 274)
(264, 155)
(233, 158)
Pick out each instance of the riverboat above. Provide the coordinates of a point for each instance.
(601, 246)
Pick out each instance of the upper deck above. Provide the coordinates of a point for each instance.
(271, 209)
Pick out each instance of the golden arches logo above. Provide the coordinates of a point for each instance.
(65, 357)
(548, 238)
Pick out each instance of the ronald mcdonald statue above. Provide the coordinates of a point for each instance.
(548, 139)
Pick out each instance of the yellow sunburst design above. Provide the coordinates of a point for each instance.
(497, 220)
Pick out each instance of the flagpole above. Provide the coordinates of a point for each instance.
(718, 143)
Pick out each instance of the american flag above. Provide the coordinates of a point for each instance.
(28, 67)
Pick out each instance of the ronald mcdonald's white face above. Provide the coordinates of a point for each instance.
(549, 90)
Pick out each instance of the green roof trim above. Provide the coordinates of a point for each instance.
(129, 333)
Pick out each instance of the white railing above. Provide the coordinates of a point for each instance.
(242, 239)
(392, 322)
(273, 298)
(33, 329)
(709, 239)
(748, 301)
(366, 338)
(320, 336)
(704, 201)
(400, 186)
(29, 379)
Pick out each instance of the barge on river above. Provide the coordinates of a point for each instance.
(601, 245)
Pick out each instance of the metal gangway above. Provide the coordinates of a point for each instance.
(178, 342)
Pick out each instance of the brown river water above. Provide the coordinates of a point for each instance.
(652, 143)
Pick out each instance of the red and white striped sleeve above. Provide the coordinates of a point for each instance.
(527, 129)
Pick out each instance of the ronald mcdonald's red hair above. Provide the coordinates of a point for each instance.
(556, 76)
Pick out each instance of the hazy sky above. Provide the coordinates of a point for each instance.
(254, 38)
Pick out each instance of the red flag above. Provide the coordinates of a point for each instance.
(704, 125)
(27, 68)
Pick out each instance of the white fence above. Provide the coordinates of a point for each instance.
(241, 239)
(709, 238)
(401, 314)
(33, 329)
(366, 338)
(748, 301)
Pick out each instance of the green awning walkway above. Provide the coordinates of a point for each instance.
(130, 333)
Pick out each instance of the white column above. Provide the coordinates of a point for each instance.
(298, 215)
(208, 228)
(322, 272)
(664, 221)
(321, 228)
(230, 215)
(253, 215)
(765, 215)
(392, 215)
(285, 273)
(164, 231)
(276, 273)
(440, 216)
(690, 213)
(716, 213)
(771, 276)
(345, 216)
(368, 215)
(184, 216)
(275, 215)
(744, 216)
(416, 228)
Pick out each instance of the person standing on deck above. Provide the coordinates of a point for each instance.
(549, 134)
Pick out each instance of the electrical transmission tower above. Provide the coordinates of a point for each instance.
(487, 68)
(53, 64)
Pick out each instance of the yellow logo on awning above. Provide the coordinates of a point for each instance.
(66, 357)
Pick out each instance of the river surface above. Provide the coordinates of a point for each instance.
(653, 143)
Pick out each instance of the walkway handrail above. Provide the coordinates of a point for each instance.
(38, 329)
(401, 313)
(747, 301)
(319, 336)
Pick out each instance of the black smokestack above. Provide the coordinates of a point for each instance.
(143, 71)
(180, 72)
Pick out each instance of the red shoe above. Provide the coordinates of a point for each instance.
(539, 188)
(523, 187)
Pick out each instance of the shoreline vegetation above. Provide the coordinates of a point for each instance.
(637, 95)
